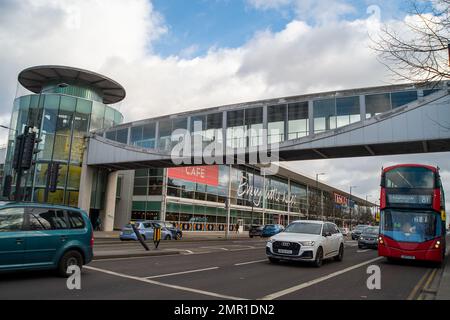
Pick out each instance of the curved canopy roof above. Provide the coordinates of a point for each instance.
(35, 78)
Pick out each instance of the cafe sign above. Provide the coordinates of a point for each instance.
(257, 194)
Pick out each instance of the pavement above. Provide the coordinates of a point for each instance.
(231, 270)
(108, 246)
(443, 288)
(187, 235)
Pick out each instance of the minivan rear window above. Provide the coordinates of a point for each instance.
(75, 220)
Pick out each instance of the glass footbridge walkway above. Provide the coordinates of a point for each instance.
(396, 119)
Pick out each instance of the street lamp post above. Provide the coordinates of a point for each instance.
(321, 193)
(350, 205)
(367, 196)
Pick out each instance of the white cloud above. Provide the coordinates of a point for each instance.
(319, 11)
(268, 4)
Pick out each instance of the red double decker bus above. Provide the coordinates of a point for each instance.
(412, 213)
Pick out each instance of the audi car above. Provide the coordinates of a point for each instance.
(307, 240)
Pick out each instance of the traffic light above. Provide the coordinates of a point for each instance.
(18, 152)
(7, 186)
(53, 176)
(29, 142)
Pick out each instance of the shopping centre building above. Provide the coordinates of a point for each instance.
(68, 106)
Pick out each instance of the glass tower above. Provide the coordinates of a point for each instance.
(63, 105)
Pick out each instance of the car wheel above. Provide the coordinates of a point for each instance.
(319, 258)
(360, 246)
(274, 260)
(251, 236)
(340, 256)
(70, 258)
(167, 237)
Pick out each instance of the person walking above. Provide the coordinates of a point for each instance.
(237, 227)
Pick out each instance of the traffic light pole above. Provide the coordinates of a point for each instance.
(20, 141)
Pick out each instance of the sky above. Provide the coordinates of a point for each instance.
(178, 55)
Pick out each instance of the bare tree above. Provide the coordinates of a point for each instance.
(420, 53)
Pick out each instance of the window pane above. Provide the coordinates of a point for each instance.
(377, 103)
(11, 219)
(122, 135)
(98, 115)
(276, 123)
(298, 120)
(235, 129)
(402, 98)
(254, 126)
(75, 220)
(324, 115)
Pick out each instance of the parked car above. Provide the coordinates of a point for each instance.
(369, 238)
(41, 236)
(177, 234)
(146, 229)
(344, 231)
(255, 231)
(271, 230)
(357, 231)
(307, 240)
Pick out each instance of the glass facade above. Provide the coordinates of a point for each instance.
(61, 120)
(194, 205)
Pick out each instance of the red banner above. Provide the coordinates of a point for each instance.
(201, 174)
(340, 199)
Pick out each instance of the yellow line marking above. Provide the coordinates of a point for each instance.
(418, 286)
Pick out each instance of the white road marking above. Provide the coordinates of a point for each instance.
(362, 251)
(218, 248)
(206, 293)
(250, 262)
(182, 272)
(131, 258)
(316, 281)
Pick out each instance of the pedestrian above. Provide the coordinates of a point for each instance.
(237, 227)
(98, 224)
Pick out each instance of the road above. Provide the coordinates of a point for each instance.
(233, 269)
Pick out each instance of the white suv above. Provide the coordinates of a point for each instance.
(307, 240)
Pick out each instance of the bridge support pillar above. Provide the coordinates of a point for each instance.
(110, 202)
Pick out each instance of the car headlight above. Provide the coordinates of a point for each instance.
(271, 241)
(307, 243)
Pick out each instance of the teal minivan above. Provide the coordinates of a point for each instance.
(42, 236)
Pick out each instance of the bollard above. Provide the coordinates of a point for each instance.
(139, 236)
(156, 236)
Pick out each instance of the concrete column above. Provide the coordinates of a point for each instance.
(110, 202)
(311, 116)
(86, 180)
(362, 106)
(162, 213)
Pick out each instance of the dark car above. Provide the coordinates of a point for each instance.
(369, 238)
(255, 231)
(271, 230)
(358, 230)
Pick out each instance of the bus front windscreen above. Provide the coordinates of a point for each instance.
(410, 226)
(410, 177)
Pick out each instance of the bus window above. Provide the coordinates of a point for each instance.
(410, 177)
